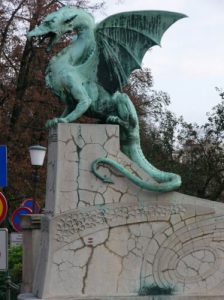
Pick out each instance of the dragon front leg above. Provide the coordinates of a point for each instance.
(53, 122)
(77, 92)
(80, 109)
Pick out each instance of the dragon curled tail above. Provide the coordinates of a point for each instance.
(165, 181)
(130, 145)
(88, 74)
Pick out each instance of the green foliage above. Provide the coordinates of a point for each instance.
(15, 263)
(15, 271)
(2, 285)
(202, 156)
(149, 103)
(171, 144)
(155, 290)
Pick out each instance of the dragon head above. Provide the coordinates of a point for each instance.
(65, 20)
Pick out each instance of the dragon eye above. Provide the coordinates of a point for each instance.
(70, 19)
(47, 23)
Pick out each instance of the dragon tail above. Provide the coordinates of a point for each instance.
(165, 181)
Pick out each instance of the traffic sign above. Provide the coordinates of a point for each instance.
(3, 249)
(16, 217)
(3, 166)
(16, 239)
(3, 207)
(29, 203)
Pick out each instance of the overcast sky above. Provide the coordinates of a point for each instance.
(190, 63)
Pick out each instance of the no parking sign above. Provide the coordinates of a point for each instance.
(16, 217)
(29, 203)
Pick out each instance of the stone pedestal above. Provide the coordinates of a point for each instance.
(107, 241)
(31, 242)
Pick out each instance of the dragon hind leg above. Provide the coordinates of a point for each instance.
(125, 115)
(117, 120)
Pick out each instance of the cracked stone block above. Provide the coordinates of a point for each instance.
(142, 244)
(106, 266)
(99, 199)
(112, 145)
(62, 281)
(92, 152)
(160, 238)
(101, 240)
(131, 267)
(87, 196)
(131, 244)
(175, 219)
(111, 195)
(98, 238)
(146, 230)
(118, 241)
(112, 131)
(87, 181)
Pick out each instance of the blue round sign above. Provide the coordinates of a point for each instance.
(29, 203)
(16, 217)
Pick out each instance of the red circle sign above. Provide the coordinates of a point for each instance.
(16, 217)
(3, 207)
(29, 203)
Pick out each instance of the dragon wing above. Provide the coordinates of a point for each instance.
(123, 40)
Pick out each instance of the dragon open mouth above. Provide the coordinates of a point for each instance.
(52, 38)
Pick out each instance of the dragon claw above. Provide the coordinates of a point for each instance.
(54, 122)
(107, 180)
(117, 120)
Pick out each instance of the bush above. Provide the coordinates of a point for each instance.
(15, 271)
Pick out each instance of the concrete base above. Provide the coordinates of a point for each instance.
(101, 240)
(31, 242)
(164, 297)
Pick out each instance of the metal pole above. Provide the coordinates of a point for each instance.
(35, 183)
(10, 286)
(8, 290)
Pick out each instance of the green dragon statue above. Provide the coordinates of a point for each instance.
(87, 75)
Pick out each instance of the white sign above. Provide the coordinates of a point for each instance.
(3, 249)
(16, 239)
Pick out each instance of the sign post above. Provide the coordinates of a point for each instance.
(4, 263)
(3, 249)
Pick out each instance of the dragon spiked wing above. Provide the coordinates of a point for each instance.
(123, 40)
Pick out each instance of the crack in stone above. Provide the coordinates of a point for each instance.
(65, 142)
(87, 270)
(114, 134)
(79, 149)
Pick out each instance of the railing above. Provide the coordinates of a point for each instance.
(12, 289)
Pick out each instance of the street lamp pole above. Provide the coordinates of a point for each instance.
(37, 155)
(36, 178)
